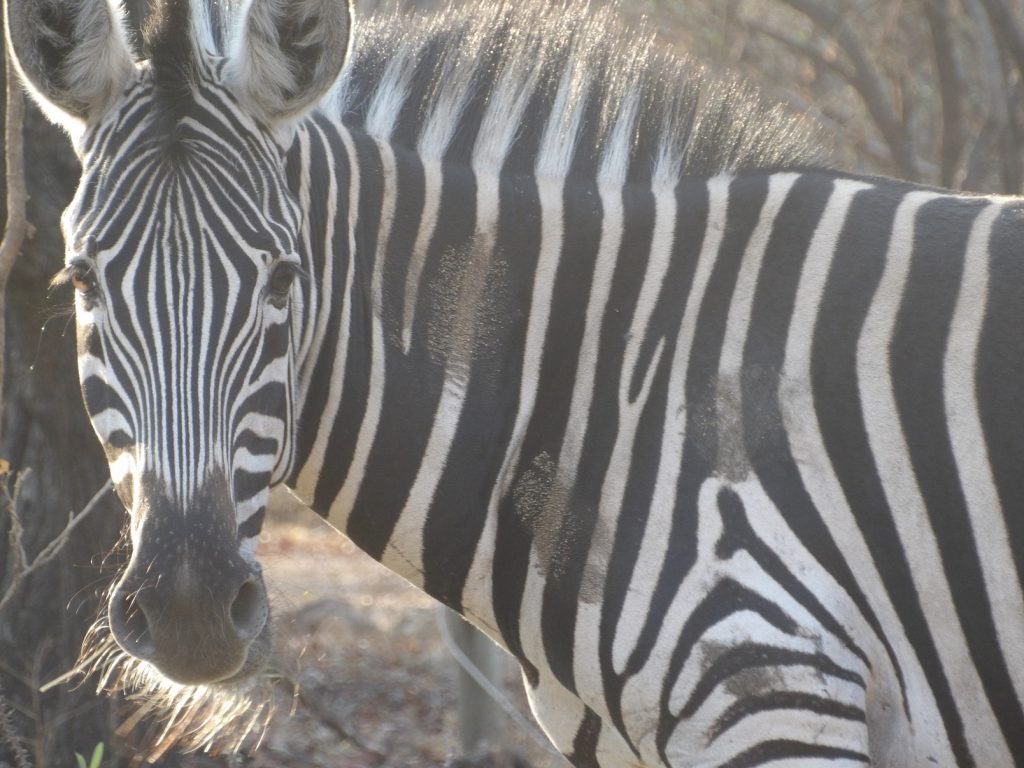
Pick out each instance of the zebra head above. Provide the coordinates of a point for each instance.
(183, 246)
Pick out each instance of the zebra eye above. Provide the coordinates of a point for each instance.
(280, 284)
(83, 278)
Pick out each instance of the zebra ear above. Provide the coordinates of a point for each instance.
(72, 54)
(288, 55)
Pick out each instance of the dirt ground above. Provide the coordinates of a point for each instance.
(377, 685)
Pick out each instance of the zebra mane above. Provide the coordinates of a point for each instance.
(556, 88)
(168, 44)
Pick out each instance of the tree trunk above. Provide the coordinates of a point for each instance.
(47, 439)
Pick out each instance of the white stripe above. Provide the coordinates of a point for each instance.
(305, 485)
(477, 594)
(589, 683)
(313, 330)
(636, 694)
(552, 163)
(810, 455)
(896, 471)
(654, 546)
(432, 181)
(742, 303)
(611, 177)
(971, 451)
(122, 467)
(109, 420)
(497, 133)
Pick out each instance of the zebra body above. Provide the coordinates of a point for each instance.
(721, 446)
(743, 616)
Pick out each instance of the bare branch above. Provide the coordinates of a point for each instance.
(866, 81)
(951, 89)
(1009, 32)
(17, 227)
(9, 735)
(812, 50)
(997, 134)
(23, 567)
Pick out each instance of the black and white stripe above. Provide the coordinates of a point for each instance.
(723, 446)
(185, 371)
(649, 481)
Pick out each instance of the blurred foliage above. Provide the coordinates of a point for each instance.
(927, 90)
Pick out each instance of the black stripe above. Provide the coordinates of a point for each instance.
(682, 537)
(520, 232)
(691, 216)
(413, 382)
(564, 587)
(783, 749)
(252, 525)
(1000, 397)
(778, 700)
(734, 662)
(767, 443)
(738, 534)
(324, 144)
(584, 746)
(852, 282)
(456, 519)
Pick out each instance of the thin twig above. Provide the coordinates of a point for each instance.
(1009, 32)
(997, 129)
(23, 567)
(815, 50)
(951, 88)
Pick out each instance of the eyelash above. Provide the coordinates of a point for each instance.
(80, 274)
(282, 278)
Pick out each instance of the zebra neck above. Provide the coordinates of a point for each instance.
(411, 361)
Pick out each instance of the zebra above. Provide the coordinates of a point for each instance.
(722, 444)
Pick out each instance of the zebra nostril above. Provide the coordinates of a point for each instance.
(249, 610)
(130, 626)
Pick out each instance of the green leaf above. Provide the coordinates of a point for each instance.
(94, 761)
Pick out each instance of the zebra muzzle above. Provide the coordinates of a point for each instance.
(198, 634)
(189, 603)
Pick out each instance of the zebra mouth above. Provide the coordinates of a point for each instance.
(210, 715)
(194, 647)
(256, 659)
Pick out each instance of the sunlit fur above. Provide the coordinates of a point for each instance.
(211, 718)
(614, 94)
(99, 65)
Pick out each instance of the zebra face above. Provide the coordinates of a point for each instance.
(183, 247)
(183, 255)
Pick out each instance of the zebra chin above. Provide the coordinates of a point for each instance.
(161, 646)
(188, 653)
(211, 717)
